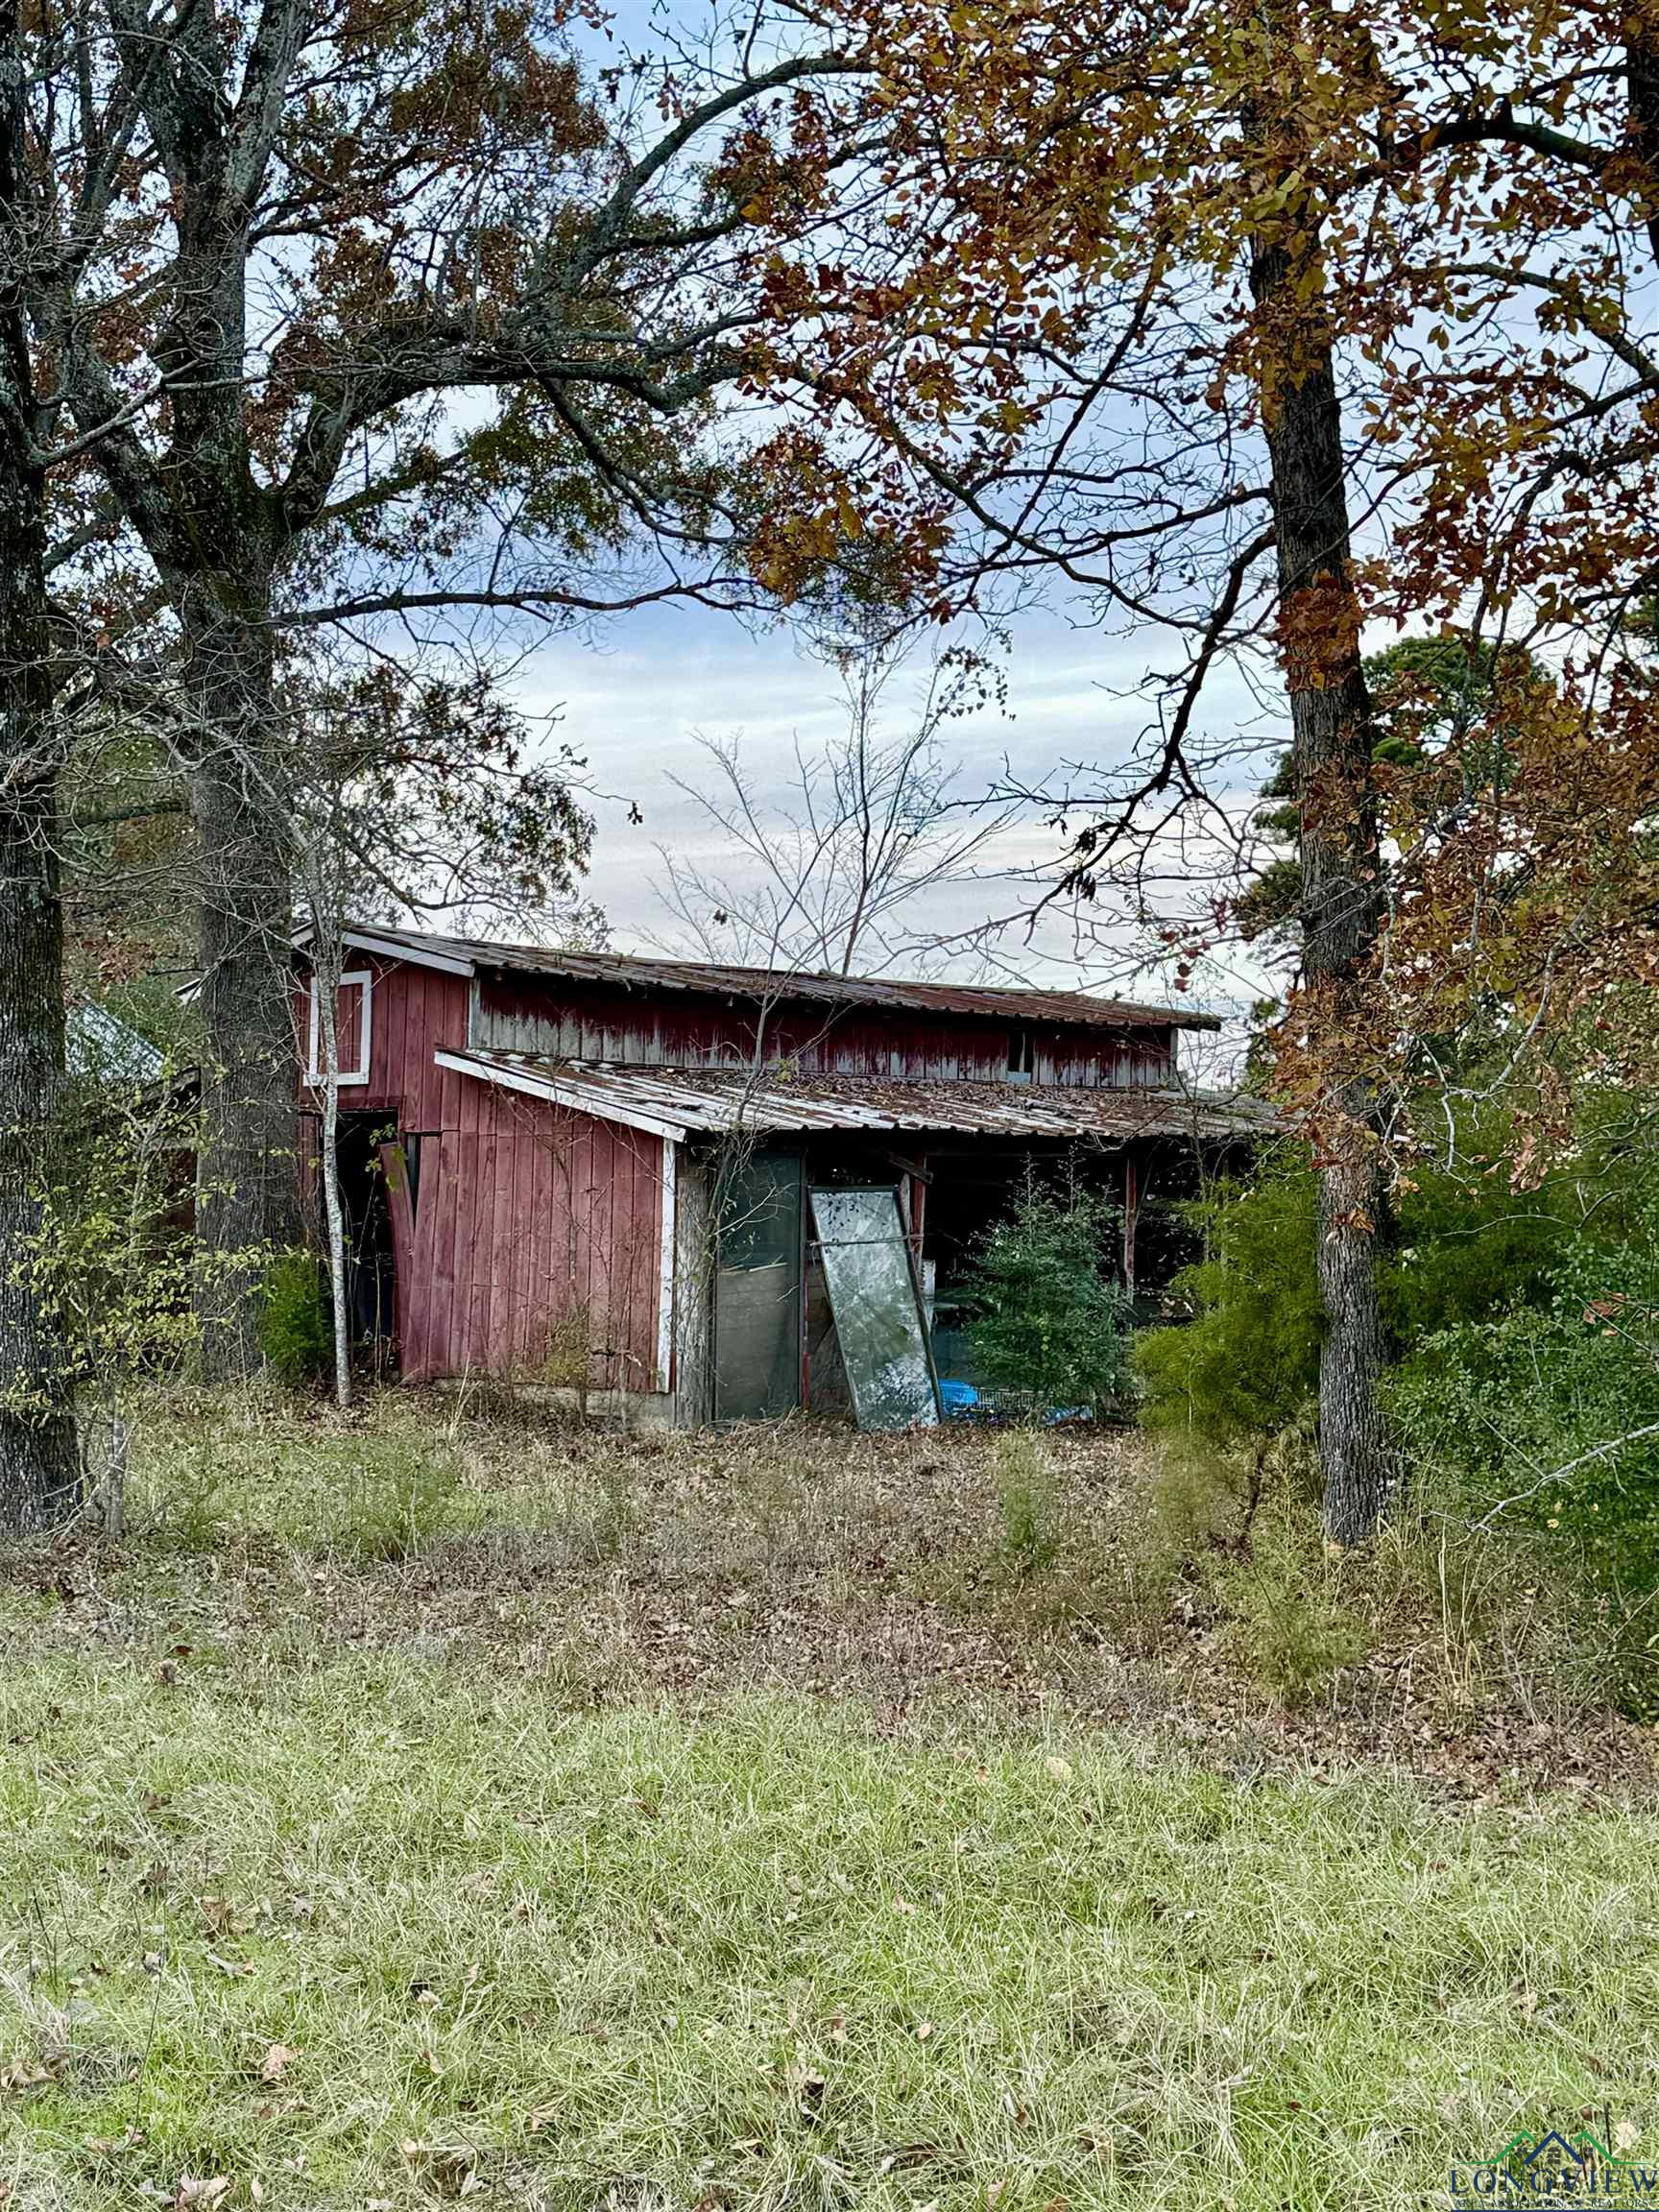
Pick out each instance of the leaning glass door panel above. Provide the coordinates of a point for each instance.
(874, 1296)
(758, 1289)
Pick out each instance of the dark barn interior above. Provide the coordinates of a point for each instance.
(776, 1345)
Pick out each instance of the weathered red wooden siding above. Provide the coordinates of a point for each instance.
(416, 1010)
(525, 1212)
(522, 1210)
(412, 1011)
(581, 1022)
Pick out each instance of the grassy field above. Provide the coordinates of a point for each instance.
(400, 1817)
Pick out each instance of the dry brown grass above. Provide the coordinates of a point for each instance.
(1065, 1575)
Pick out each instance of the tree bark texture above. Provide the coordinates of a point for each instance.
(38, 1469)
(1341, 901)
(214, 533)
(247, 1184)
(1642, 88)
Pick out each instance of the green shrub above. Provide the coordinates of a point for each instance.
(1247, 1362)
(1462, 1246)
(1467, 1244)
(296, 1330)
(1547, 1420)
(1048, 1320)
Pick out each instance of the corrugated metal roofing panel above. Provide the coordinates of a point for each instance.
(99, 1045)
(679, 1103)
(630, 973)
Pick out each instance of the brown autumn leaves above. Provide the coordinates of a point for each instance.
(1045, 330)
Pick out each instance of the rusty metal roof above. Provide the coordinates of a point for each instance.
(678, 1104)
(626, 972)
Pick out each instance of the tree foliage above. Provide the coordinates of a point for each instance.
(355, 317)
(1310, 323)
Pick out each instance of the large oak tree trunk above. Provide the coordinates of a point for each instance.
(247, 1187)
(37, 1455)
(213, 532)
(38, 1469)
(1341, 890)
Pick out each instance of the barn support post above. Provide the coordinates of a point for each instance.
(1131, 1210)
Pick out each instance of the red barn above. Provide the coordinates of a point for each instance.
(617, 1174)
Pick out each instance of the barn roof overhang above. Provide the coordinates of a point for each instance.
(682, 1103)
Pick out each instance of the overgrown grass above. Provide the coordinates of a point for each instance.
(210, 1471)
(418, 1808)
(1025, 1500)
(372, 1935)
(1074, 1570)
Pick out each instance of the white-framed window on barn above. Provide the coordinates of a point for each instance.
(353, 1015)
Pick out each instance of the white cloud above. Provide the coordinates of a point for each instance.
(635, 703)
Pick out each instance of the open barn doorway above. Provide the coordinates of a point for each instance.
(371, 1281)
(779, 1343)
